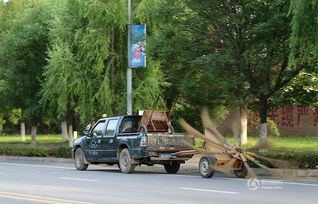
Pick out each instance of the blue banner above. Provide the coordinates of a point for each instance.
(137, 54)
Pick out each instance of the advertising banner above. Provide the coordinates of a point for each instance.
(137, 54)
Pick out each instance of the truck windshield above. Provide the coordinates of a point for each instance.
(129, 125)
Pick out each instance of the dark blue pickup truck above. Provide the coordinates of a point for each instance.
(125, 141)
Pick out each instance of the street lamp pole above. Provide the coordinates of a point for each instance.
(129, 70)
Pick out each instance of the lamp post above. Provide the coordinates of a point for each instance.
(129, 70)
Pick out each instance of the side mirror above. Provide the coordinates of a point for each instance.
(86, 132)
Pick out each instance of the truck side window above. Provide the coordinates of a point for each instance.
(99, 128)
(129, 125)
(111, 127)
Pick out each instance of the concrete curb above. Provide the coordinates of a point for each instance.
(189, 166)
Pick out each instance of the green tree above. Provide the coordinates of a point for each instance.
(23, 54)
(304, 39)
(88, 57)
(240, 46)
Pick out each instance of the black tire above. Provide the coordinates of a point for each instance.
(125, 165)
(241, 173)
(79, 160)
(172, 168)
(205, 166)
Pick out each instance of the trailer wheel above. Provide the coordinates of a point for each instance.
(241, 173)
(205, 166)
(125, 162)
(172, 168)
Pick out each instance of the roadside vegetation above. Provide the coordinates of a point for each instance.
(40, 151)
(289, 144)
(283, 144)
(64, 62)
(51, 139)
(302, 150)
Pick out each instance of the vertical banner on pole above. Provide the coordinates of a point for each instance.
(137, 54)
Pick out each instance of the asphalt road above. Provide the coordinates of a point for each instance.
(39, 182)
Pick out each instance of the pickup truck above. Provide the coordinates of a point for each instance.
(129, 141)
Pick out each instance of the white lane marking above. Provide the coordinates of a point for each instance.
(77, 179)
(237, 179)
(165, 175)
(300, 184)
(33, 165)
(284, 182)
(209, 190)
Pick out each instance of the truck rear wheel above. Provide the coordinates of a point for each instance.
(205, 166)
(172, 168)
(79, 160)
(125, 162)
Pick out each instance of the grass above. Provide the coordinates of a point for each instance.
(51, 139)
(294, 144)
(291, 144)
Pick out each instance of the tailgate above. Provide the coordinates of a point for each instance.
(164, 142)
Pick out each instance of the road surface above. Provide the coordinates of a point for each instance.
(40, 182)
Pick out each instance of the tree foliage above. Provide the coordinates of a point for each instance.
(233, 50)
(87, 58)
(67, 59)
(304, 39)
(22, 55)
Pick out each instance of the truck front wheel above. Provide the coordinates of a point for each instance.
(172, 168)
(79, 160)
(125, 162)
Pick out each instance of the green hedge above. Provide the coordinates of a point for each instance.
(302, 159)
(18, 150)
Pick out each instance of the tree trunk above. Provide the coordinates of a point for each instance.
(243, 120)
(22, 127)
(70, 134)
(64, 131)
(75, 135)
(33, 135)
(236, 126)
(263, 118)
(263, 131)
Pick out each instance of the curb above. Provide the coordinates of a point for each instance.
(37, 159)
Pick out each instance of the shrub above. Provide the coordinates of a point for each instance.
(273, 128)
(302, 159)
(18, 150)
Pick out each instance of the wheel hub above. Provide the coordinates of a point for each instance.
(205, 166)
(125, 161)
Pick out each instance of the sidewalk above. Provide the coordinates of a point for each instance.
(191, 166)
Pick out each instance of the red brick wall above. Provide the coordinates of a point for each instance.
(291, 121)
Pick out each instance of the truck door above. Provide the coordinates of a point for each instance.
(93, 152)
(109, 140)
